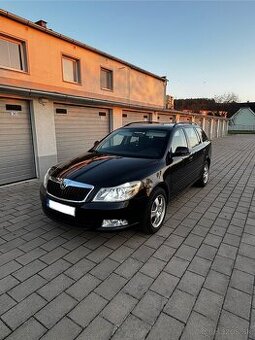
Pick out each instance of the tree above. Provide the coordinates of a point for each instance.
(227, 97)
(218, 106)
(227, 102)
(195, 104)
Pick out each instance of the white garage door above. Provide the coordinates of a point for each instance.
(165, 118)
(77, 128)
(185, 119)
(17, 161)
(207, 127)
(214, 129)
(198, 121)
(131, 116)
(221, 128)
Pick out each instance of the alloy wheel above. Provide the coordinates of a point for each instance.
(158, 210)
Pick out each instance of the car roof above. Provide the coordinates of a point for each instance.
(157, 125)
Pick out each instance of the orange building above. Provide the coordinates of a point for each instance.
(58, 95)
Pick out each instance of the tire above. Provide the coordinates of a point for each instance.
(155, 212)
(203, 180)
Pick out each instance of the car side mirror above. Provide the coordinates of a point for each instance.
(93, 147)
(181, 151)
(169, 158)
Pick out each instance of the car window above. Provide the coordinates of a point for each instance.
(202, 134)
(134, 139)
(192, 136)
(135, 142)
(179, 139)
(114, 141)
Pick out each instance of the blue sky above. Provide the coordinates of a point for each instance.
(205, 48)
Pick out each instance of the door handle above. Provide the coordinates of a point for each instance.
(190, 158)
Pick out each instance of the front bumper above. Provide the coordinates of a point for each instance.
(91, 214)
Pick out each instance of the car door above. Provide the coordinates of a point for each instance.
(176, 173)
(196, 159)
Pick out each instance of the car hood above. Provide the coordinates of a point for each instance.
(106, 170)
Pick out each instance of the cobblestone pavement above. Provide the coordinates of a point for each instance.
(194, 279)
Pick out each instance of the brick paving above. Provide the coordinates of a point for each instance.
(194, 279)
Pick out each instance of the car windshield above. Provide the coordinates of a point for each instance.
(135, 142)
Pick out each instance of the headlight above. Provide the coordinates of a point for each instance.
(46, 177)
(117, 194)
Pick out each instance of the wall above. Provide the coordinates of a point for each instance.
(43, 126)
(45, 70)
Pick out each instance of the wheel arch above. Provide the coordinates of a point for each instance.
(208, 160)
(165, 187)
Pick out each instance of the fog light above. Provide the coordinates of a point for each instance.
(114, 223)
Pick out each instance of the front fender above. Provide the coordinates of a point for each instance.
(154, 181)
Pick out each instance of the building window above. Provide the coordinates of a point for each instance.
(106, 79)
(12, 54)
(71, 69)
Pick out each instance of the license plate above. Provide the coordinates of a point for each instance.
(63, 208)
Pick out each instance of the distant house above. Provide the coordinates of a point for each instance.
(243, 120)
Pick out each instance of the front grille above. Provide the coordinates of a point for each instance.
(70, 193)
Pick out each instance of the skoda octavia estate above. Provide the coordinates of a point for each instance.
(127, 178)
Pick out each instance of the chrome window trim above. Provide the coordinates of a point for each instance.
(70, 183)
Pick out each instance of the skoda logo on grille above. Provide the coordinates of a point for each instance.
(63, 184)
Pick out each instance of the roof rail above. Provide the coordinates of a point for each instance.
(161, 123)
(141, 122)
(190, 123)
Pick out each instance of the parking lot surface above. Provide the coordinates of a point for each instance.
(194, 279)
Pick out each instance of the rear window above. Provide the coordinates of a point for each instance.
(202, 134)
(192, 136)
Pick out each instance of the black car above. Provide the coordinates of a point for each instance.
(128, 178)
